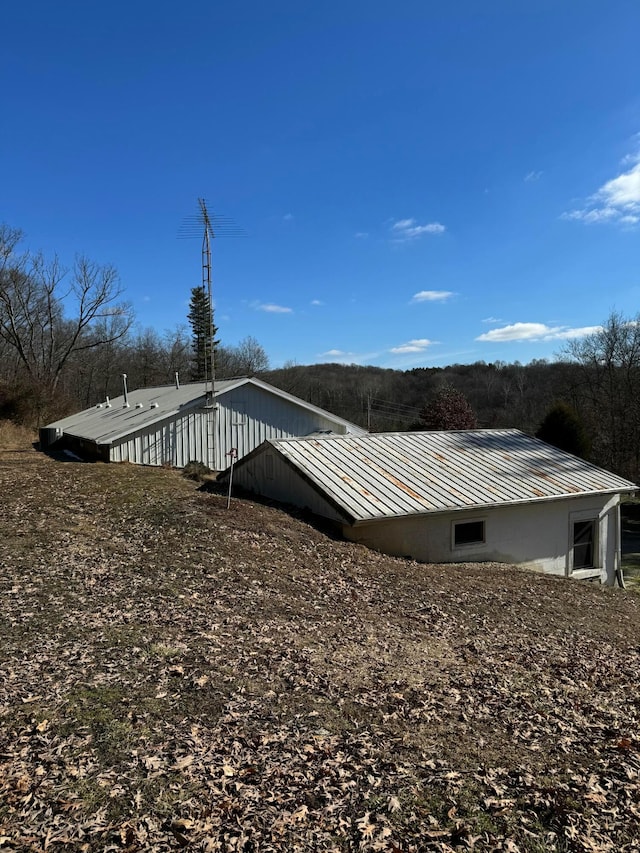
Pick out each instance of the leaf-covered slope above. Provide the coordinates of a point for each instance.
(173, 674)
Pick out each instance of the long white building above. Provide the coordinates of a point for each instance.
(176, 424)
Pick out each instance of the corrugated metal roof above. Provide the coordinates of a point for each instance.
(147, 406)
(396, 474)
(104, 424)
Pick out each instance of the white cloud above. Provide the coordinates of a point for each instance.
(595, 214)
(408, 229)
(361, 235)
(491, 320)
(432, 296)
(317, 302)
(535, 332)
(580, 332)
(343, 357)
(623, 191)
(270, 308)
(288, 217)
(618, 200)
(533, 176)
(417, 345)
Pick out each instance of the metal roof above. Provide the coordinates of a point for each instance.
(105, 424)
(389, 475)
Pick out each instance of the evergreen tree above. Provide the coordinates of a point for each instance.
(199, 317)
(448, 410)
(563, 428)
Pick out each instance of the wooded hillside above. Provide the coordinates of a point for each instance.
(66, 338)
(604, 397)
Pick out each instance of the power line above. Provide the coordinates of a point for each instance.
(387, 410)
(376, 401)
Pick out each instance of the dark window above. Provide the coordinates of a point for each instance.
(468, 533)
(583, 544)
(268, 466)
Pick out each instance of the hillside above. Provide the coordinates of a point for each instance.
(176, 675)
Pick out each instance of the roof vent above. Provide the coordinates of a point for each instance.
(108, 403)
(139, 405)
(154, 406)
(125, 405)
(99, 406)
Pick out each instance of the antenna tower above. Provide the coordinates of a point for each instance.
(210, 227)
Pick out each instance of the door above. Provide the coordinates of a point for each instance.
(584, 544)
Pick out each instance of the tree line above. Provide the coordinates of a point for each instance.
(586, 401)
(67, 335)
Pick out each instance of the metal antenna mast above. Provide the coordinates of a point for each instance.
(210, 227)
(209, 234)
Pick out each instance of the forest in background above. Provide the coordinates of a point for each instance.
(67, 335)
(592, 391)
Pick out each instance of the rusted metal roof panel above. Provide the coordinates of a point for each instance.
(389, 475)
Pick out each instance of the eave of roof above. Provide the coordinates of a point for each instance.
(104, 424)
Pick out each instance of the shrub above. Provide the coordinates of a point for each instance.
(563, 429)
(449, 410)
(195, 470)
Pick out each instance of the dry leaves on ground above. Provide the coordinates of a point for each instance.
(175, 675)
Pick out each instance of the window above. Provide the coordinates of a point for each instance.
(468, 533)
(584, 540)
(268, 466)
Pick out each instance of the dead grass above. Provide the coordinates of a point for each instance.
(173, 674)
(14, 437)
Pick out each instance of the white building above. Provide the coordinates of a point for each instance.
(176, 424)
(481, 495)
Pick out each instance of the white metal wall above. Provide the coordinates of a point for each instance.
(536, 535)
(247, 416)
(174, 442)
(269, 475)
(244, 418)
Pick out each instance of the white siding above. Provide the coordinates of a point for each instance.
(174, 442)
(247, 416)
(244, 418)
(535, 536)
(270, 476)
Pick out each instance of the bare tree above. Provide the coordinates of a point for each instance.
(48, 314)
(606, 391)
(177, 351)
(154, 359)
(246, 359)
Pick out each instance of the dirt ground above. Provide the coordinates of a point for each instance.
(174, 675)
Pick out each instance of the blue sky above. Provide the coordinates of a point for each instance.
(420, 183)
